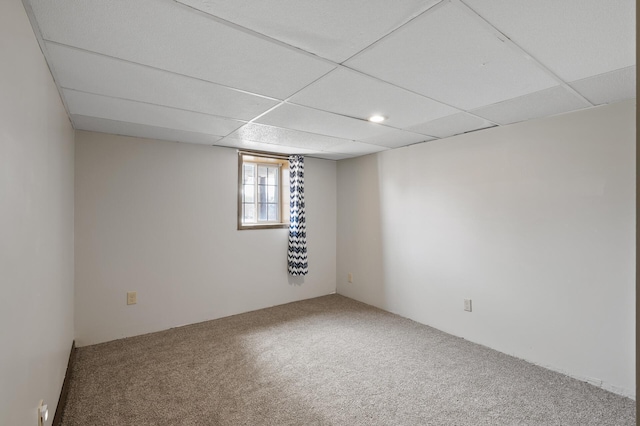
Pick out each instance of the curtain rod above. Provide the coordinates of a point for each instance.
(264, 154)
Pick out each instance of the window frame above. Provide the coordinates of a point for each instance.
(283, 193)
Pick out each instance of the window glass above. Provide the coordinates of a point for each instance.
(263, 191)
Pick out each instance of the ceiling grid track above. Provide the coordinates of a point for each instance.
(253, 33)
(513, 45)
(328, 61)
(163, 70)
(431, 9)
(43, 48)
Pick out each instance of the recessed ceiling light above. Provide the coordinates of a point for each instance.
(376, 119)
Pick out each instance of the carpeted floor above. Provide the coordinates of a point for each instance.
(324, 361)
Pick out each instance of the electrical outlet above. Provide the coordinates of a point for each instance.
(467, 305)
(132, 297)
(43, 413)
(350, 277)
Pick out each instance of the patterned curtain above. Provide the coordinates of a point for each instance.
(297, 255)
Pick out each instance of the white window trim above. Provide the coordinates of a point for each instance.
(283, 193)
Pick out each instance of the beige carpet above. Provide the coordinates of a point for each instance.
(325, 361)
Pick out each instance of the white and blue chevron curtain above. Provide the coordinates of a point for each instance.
(297, 255)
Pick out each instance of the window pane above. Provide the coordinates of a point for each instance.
(262, 175)
(272, 194)
(249, 213)
(262, 212)
(273, 173)
(273, 212)
(248, 194)
(262, 193)
(248, 172)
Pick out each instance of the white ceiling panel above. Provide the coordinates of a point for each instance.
(610, 87)
(535, 105)
(94, 124)
(449, 56)
(397, 138)
(324, 155)
(103, 75)
(321, 122)
(166, 35)
(81, 103)
(573, 38)
(453, 125)
(351, 93)
(354, 148)
(265, 147)
(254, 132)
(333, 30)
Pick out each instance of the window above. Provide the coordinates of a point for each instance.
(263, 191)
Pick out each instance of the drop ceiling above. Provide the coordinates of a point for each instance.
(302, 77)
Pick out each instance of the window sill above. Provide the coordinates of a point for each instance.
(242, 227)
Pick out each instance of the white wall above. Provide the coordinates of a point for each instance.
(36, 225)
(535, 222)
(160, 218)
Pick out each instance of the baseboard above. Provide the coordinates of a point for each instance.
(627, 393)
(62, 401)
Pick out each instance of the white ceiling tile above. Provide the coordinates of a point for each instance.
(333, 156)
(356, 148)
(453, 125)
(325, 123)
(535, 105)
(254, 132)
(333, 30)
(167, 35)
(101, 125)
(610, 87)
(447, 55)
(264, 147)
(102, 75)
(351, 93)
(396, 138)
(573, 38)
(81, 103)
